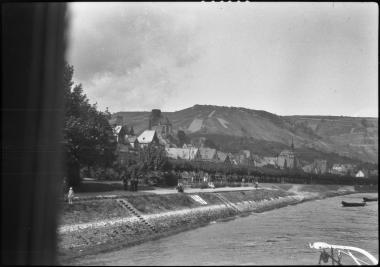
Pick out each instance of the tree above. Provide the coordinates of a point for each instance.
(153, 158)
(209, 143)
(121, 136)
(88, 137)
(182, 138)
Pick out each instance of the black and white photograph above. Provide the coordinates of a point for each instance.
(189, 133)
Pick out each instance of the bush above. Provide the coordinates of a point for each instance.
(221, 184)
(111, 174)
(203, 185)
(170, 179)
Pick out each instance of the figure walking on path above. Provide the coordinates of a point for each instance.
(70, 196)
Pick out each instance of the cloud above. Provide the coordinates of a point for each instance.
(288, 59)
(132, 56)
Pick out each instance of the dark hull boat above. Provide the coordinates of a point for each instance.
(351, 204)
(368, 199)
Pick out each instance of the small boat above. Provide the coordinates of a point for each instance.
(335, 253)
(368, 199)
(353, 204)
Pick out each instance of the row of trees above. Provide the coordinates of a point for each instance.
(265, 173)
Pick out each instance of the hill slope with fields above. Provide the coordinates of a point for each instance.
(348, 137)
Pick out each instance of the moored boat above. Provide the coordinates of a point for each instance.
(368, 199)
(353, 204)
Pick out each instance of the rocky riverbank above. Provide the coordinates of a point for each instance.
(99, 224)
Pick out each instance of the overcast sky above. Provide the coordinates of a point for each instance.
(285, 58)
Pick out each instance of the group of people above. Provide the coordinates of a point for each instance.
(180, 188)
(130, 184)
(130, 180)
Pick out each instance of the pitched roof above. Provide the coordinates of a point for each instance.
(360, 173)
(117, 129)
(207, 153)
(146, 137)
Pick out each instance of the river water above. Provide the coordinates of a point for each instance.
(277, 237)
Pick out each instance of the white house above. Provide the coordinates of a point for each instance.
(148, 137)
(360, 174)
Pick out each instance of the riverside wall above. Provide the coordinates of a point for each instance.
(156, 216)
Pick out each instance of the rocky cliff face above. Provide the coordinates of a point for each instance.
(352, 137)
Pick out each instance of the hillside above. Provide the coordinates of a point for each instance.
(351, 137)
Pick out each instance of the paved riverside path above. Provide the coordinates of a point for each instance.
(162, 191)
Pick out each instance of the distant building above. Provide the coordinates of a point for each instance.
(191, 153)
(343, 169)
(243, 157)
(187, 145)
(116, 131)
(338, 169)
(221, 156)
(232, 159)
(361, 174)
(287, 159)
(208, 154)
(309, 168)
(132, 141)
(257, 161)
(148, 137)
(122, 133)
(317, 167)
(321, 166)
(269, 161)
(160, 123)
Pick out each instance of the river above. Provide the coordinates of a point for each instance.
(277, 237)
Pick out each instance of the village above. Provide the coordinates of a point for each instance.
(159, 133)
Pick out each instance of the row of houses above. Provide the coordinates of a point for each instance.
(130, 142)
(352, 170)
(160, 128)
(189, 152)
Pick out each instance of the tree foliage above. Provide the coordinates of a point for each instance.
(153, 158)
(89, 140)
(182, 138)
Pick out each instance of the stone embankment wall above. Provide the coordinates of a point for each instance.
(127, 221)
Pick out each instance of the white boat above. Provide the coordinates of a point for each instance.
(335, 253)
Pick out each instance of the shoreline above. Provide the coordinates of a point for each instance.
(173, 222)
